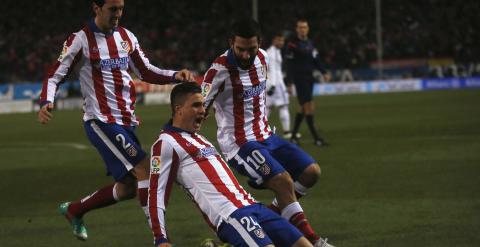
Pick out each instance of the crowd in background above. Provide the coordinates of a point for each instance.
(177, 34)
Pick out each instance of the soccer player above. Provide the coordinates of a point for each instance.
(105, 52)
(235, 84)
(182, 155)
(277, 95)
(302, 58)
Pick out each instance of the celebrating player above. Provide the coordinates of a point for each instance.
(105, 53)
(235, 83)
(181, 154)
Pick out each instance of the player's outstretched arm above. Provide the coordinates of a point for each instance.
(45, 115)
(164, 245)
(184, 75)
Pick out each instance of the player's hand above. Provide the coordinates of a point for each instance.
(45, 115)
(185, 75)
(164, 245)
(271, 91)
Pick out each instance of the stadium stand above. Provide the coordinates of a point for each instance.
(421, 38)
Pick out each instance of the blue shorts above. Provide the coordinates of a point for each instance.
(261, 161)
(256, 225)
(117, 144)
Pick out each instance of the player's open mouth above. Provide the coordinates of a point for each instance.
(199, 120)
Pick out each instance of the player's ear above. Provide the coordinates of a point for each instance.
(95, 8)
(177, 109)
(231, 41)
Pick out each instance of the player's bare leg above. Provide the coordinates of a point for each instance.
(142, 173)
(307, 179)
(124, 189)
(283, 187)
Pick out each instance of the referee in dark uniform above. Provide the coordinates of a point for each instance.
(302, 58)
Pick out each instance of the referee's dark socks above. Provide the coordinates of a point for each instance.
(311, 126)
(296, 126)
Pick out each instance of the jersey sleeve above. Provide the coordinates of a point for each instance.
(146, 71)
(213, 83)
(164, 164)
(70, 55)
(318, 61)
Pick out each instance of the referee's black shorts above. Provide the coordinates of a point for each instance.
(304, 88)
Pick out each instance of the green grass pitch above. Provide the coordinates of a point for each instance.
(403, 170)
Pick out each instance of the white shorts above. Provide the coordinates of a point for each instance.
(279, 97)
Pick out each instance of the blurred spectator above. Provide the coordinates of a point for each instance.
(178, 34)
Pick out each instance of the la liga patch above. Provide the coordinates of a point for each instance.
(155, 163)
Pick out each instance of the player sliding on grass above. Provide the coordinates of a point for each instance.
(105, 53)
(183, 156)
(236, 83)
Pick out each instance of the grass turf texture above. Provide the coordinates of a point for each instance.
(403, 169)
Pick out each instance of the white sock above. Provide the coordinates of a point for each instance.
(300, 189)
(291, 210)
(284, 115)
(142, 185)
(275, 202)
(115, 195)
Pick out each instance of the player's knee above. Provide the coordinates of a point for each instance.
(126, 192)
(311, 175)
(126, 188)
(130, 192)
(282, 182)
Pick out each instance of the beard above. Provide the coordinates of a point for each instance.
(245, 64)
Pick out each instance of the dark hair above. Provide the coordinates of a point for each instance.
(277, 34)
(99, 3)
(245, 28)
(301, 19)
(180, 91)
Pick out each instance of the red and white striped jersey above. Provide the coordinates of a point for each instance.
(105, 60)
(239, 99)
(193, 162)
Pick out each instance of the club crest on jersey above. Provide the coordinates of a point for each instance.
(264, 70)
(259, 232)
(125, 45)
(265, 169)
(132, 151)
(155, 165)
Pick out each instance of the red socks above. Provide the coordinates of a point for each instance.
(300, 221)
(142, 193)
(99, 199)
